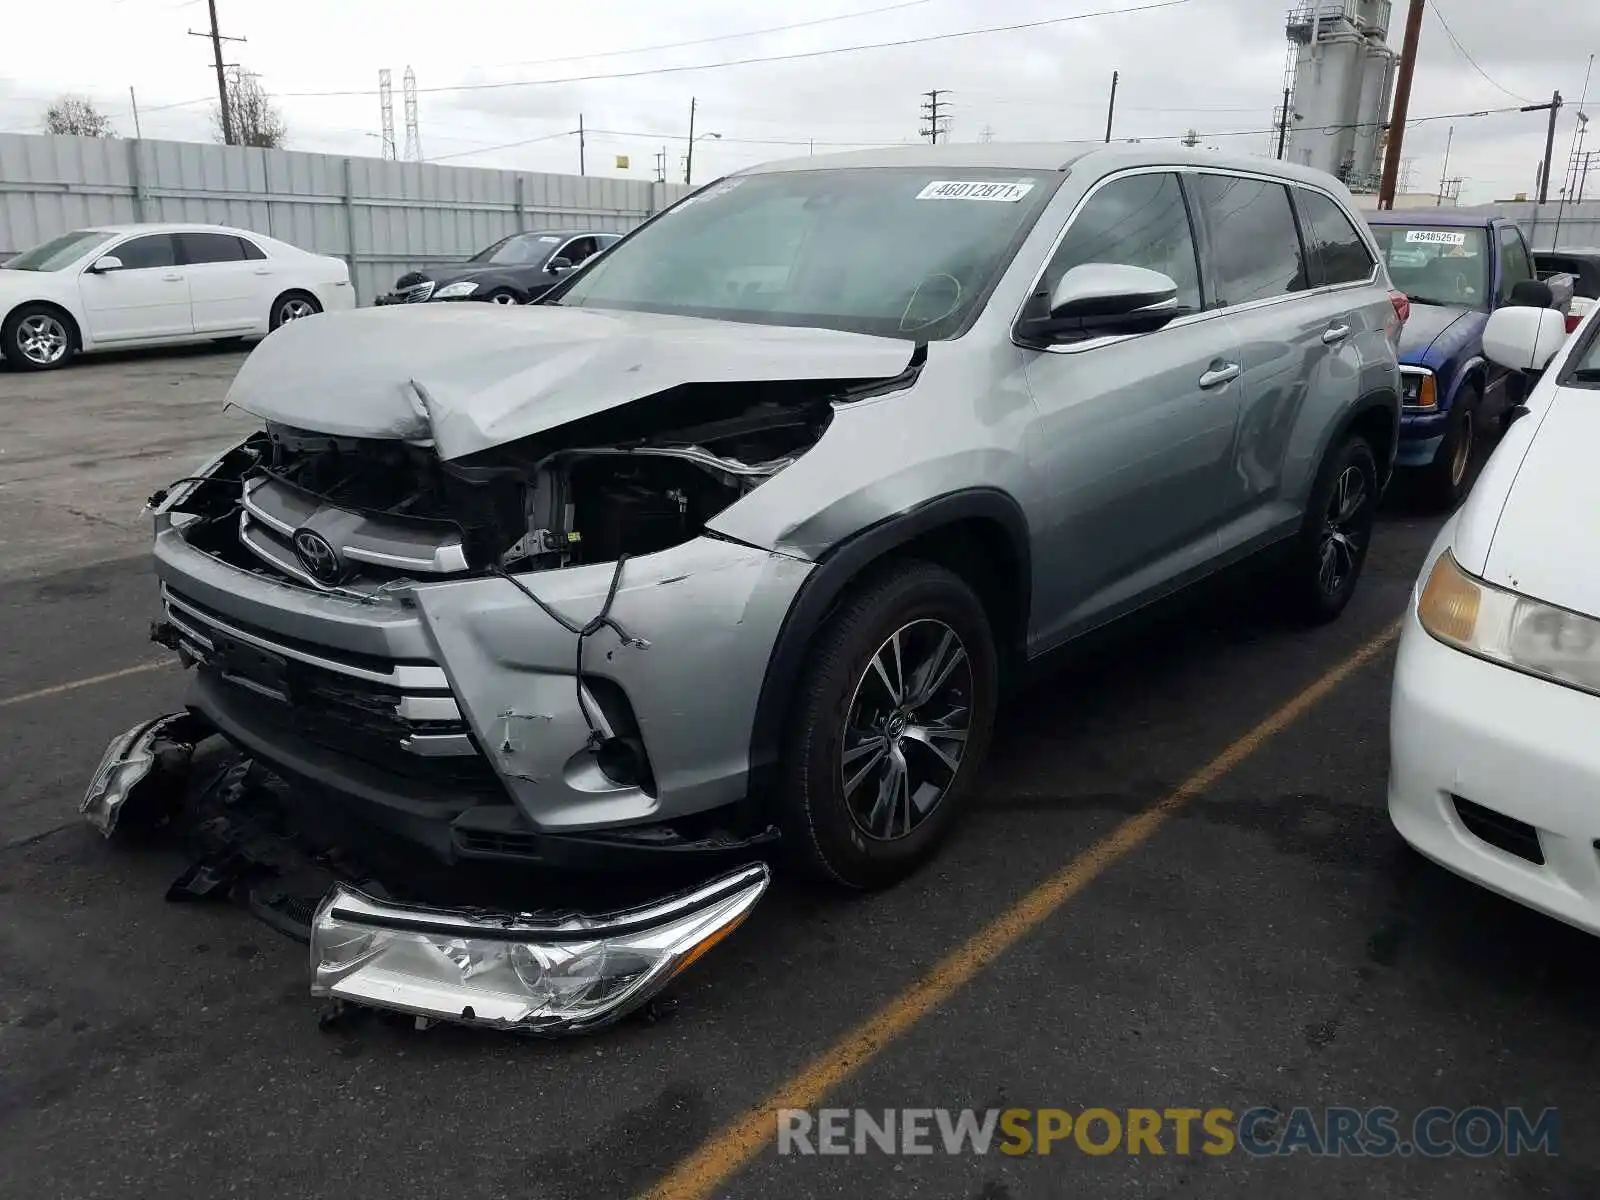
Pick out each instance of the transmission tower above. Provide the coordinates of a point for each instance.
(413, 137)
(937, 124)
(986, 134)
(386, 103)
(1191, 139)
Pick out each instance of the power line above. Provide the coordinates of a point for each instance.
(766, 58)
(1456, 42)
(721, 37)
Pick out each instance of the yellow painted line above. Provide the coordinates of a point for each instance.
(698, 1175)
(73, 686)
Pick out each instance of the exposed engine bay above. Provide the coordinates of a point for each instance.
(341, 511)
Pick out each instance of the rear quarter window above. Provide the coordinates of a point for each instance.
(1337, 253)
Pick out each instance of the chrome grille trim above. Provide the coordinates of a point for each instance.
(405, 677)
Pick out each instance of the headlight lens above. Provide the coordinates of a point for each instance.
(454, 291)
(553, 975)
(1418, 390)
(1504, 627)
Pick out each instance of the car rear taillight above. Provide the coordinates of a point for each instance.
(1573, 321)
(1402, 306)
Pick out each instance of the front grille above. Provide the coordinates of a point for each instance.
(370, 707)
(417, 293)
(378, 548)
(1505, 833)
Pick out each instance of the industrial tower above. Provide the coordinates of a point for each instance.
(1339, 78)
(408, 87)
(386, 103)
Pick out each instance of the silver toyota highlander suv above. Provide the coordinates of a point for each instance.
(742, 534)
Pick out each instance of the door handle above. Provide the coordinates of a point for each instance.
(1335, 333)
(173, 278)
(1219, 375)
(263, 271)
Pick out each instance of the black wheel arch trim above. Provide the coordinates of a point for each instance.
(843, 564)
(1380, 399)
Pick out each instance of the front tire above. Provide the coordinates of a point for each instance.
(503, 296)
(1443, 482)
(1325, 561)
(889, 726)
(38, 337)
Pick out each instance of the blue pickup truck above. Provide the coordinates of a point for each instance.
(1455, 268)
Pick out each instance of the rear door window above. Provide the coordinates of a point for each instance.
(1255, 244)
(1337, 252)
(210, 248)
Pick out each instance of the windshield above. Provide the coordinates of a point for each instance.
(895, 252)
(57, 252)
(519, 250)
(1437, 266)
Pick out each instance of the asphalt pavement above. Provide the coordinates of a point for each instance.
(1268, 942)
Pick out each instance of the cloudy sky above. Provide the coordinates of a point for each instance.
(1212, 65)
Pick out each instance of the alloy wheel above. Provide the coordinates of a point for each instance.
(42, 339)
(502, 298)
(906, 729)
(1463, 450)
(1345, 528)
(295, 308)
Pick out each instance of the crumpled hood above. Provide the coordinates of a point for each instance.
(1426, 325)
(1543, 543)
(473, 376)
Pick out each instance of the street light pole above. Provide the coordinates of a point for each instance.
(688, 159)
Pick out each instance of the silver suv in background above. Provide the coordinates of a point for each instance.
(741, 532)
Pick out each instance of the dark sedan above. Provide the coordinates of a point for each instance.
(515, 270)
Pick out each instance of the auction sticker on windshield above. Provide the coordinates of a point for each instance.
(1437, 237)
(967, 189)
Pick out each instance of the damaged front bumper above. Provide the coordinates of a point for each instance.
(541, 973)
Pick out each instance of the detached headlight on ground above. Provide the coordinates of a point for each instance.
(1513, 630)
(454, 291)
(565, 974)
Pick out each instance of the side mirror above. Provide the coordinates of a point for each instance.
(1098, 299)
(559, 266)
(106, 262)
(1524, 339)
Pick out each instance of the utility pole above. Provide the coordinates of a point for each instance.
(217, 38)
(933, 109)
(1402, 104)
(1549, 142)
(661, 165)
(1444, 171)
(1581, 171)
(1111, 108)
(688, 159)
(581, 171)
(1283, 123)
(134, 100)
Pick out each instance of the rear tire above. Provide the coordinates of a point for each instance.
(38, 337)
(292, 306)
(1443, 482)
(1330, 550)
(888, 728)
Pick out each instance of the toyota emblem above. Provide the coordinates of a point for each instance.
(318, 556)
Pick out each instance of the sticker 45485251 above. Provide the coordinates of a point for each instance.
(1437, 237)
(968, 189)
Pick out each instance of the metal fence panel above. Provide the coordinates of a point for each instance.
(1549, 226)
(383, 218)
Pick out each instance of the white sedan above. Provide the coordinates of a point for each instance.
(144, 285)
(1495, 721)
